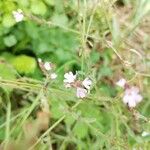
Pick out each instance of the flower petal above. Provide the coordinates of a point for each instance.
(138, 98)
(131, 103)
(53, 76)
(121, 82)
(87, 83)
(69, 77)
(47, 66)
(81, 92)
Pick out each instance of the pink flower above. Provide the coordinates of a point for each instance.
(87, 83)
(132, 97)
(121, 82)
(69, 77)
(82, 87)
(81, 92)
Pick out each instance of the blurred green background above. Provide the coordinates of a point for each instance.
(96, 40)
(22, 43)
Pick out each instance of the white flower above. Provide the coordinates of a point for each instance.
(81, 92)
(18, 15)
(132, 97)
(87, 83)
(47, 66)
(39, 60)
(144, 133)
(69, 77)
(53, 76)
(121, 82)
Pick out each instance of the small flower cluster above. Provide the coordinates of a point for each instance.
(47, 69)
(18, 15)
(82, 87)
(131, 94)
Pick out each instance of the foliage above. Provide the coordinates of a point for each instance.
(103, 40)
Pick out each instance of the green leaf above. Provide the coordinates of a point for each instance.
(10, 40)
(56, 108)
(7, 56)
(94, 56)
(38, 8)
(108, 90)
(80, 130)
(6, 72)
(32, 30)
(93, 110)
(50, 2)
(42, 47)
(8, 21)
(2, 134)
(69, 120)
(105, 71)
(24, 64)
(61, 20)
(24, 3)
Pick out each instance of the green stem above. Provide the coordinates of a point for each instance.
(8, 116)
(53, 126)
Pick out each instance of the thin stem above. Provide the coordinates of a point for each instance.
(14, 118)
(53, 126)
(8, 116)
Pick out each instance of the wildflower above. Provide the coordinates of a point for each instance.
(144, 134)
(132, 97)
(39, 60)
(53, 76)
(47, 66)
(121, 82)
(82, 87)
(87, 83)
(69, 77)
(47, 69)
(18, 15)
(81, 92)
